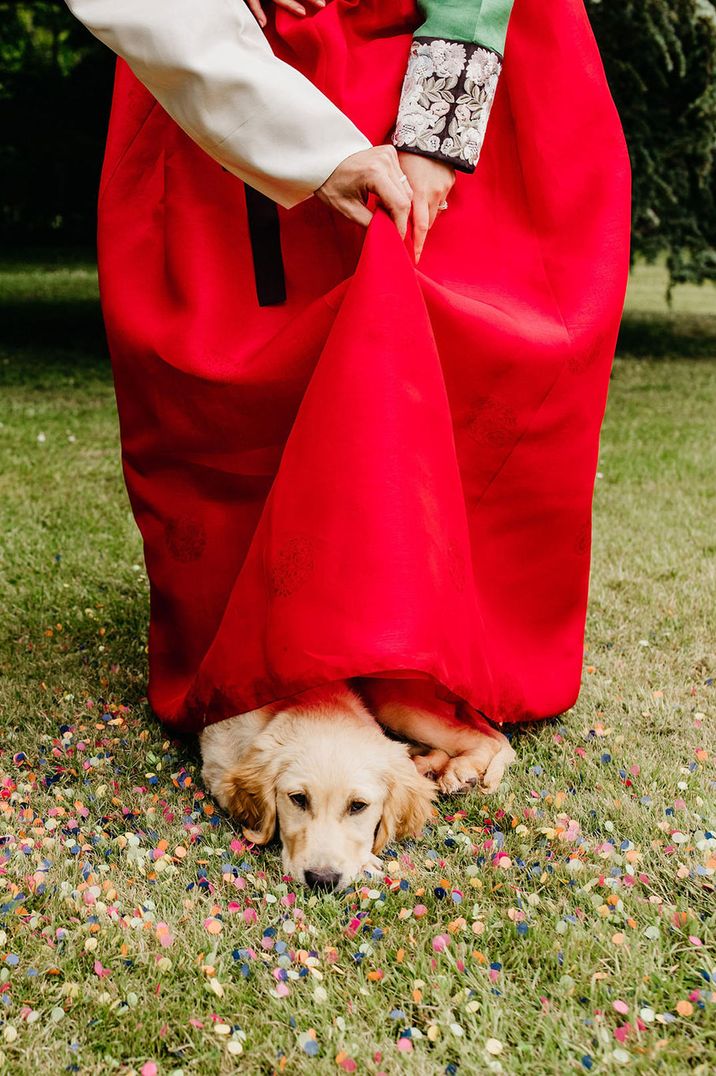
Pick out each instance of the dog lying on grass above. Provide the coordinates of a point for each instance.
(320, 768)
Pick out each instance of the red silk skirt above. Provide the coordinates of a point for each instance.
(393, 470)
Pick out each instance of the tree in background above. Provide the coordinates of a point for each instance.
(55, 86)
(660, 58)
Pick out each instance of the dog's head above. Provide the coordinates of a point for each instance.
(335, 786)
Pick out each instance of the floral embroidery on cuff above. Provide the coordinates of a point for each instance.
(447, 95)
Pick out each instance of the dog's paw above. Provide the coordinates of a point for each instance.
(373, 868)
(492, 777)
(461, 774)
(481, 770)
(432, 763)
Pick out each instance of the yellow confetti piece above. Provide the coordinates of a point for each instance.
(618, 939)
(494, 1047)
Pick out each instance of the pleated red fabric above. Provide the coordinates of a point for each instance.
(393, 470)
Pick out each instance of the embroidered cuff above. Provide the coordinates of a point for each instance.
(447, 95)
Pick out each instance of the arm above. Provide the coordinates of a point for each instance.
(454, 66)
(209, 65)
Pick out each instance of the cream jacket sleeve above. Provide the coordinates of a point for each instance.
(210, 66)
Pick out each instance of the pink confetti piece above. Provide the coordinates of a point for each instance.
(621, 1007)
(165, 936)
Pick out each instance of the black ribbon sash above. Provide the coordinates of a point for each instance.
(265, 236)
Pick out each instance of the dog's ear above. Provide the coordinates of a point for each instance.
(408, 804)
(247, 791)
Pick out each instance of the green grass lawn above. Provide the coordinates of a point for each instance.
(565, 925)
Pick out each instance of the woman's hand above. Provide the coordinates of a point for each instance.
(431, 182)
(257, 7)
(370, 171)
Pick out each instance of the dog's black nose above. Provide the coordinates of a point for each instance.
(322, 879)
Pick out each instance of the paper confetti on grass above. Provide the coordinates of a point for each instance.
(142, 889)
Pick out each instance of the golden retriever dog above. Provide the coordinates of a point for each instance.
(320, 768)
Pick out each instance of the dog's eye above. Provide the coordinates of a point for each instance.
(357, 806)
(300, 799)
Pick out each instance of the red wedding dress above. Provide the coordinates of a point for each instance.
(394, 468)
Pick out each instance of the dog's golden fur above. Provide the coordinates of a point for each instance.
(319, 768)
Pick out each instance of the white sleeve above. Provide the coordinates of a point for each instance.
(210, 66)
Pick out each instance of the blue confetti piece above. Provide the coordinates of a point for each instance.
(311, 1047)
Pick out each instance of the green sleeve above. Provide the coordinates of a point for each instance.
(453, 70)
(481, 22)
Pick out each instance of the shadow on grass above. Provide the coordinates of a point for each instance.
(664, 336)
(44, 342)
